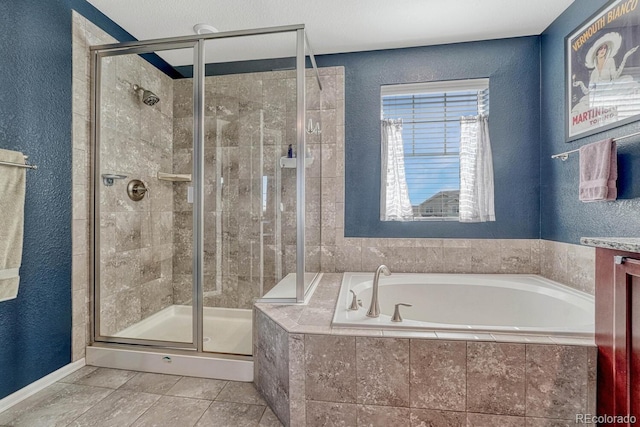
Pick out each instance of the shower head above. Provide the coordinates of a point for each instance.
(148, 97)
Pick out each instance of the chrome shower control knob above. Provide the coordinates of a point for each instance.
(136, 190)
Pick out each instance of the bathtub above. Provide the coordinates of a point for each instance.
(492, 303)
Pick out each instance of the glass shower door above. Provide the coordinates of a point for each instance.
(233, 255)
(196, 187)
(144, 287)
(250, 120)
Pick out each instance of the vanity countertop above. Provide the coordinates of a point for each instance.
(628, 244)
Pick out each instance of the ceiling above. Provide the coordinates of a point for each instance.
(332, 26)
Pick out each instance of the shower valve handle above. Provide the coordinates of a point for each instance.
(136, 190)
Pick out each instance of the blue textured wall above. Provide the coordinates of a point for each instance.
(35, 118)
(563, 217)
(513, 68)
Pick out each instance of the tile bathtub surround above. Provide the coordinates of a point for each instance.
(343, 376)
(382, 366)
(111, 397)
(496, 378)
(273, 356)
(438, 371)
(572, 265)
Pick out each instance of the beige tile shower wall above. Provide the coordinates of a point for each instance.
(136, 245)
(136, 237)
(324, 108)
(182, 260)
(238, 151)
(84, 34)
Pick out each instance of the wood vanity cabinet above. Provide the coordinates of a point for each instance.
(617, 332)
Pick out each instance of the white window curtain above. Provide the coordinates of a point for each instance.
(395, 204)
(476, 170)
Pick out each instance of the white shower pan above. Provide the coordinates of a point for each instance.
(226, 330)
(227, 336)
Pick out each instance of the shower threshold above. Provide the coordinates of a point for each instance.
(225, 331)
(170, 362)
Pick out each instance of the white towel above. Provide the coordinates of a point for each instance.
(598, 171)
(12, 193)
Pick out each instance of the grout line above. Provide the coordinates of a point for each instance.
(146, 410)
(92, 406)
(262, 415)
(466, 380)
(526, 376)
(409, 382)
(203, 412)
(220, 392)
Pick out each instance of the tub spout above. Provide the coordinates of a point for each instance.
(374, 308)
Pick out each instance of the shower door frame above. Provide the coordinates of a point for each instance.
(196, 42)
(97, 54)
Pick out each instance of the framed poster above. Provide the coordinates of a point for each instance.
(603, 70)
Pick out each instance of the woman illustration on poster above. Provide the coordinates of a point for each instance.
(606, 85)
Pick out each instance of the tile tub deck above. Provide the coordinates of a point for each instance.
(313, 374)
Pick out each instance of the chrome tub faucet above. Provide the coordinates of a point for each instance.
(374, 308)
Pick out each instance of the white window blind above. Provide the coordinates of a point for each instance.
(430, 114)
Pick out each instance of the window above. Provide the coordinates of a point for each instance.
(429, 117)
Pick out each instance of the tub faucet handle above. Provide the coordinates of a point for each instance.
(396, 313)
(355, 302)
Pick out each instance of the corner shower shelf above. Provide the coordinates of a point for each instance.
(175, 177)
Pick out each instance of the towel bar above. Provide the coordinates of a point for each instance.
(564, 156)
(18, 165)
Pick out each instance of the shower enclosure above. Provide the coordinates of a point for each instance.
(198, 200)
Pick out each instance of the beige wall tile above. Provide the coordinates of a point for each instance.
(557, 381)
(271, 365)
(382, 369)
(547, 422)
(431, 418)
(330, 368)
(483, 420)
(331, 414)
(297, 393)
(496, 378)
(383, 416)
(438, 374)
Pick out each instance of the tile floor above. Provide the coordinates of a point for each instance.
(104, 397)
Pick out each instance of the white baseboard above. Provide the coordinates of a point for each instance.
(40, 384)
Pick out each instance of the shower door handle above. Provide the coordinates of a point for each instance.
(189, 194)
